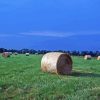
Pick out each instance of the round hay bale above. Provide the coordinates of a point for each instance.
(27, 54)
(55, 62)
(98, 58)
(87, 57)
(5, 54)
(36, 53)
(10, 53)
(15, 53)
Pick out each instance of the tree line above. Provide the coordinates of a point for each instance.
(32, 51)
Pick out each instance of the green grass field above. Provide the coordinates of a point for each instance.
(22, 79)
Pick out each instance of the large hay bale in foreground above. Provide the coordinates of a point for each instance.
(6, 54)
(56, 62)
(27, 54)
(87, 57)
(98, 58)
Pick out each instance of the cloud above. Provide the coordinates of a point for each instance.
(61, 34)
(52, 34)
(48, 34)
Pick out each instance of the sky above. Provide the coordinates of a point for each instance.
(50, 24)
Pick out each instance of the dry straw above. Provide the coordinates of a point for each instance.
(6, 54)
(98, 58)
(87, 57)
(27, 54)
(15, 53)
(55, 62)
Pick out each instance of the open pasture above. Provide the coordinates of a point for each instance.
(21, 78)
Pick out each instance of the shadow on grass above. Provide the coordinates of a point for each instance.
(84, 74)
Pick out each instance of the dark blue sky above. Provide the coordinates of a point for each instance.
(50, 24)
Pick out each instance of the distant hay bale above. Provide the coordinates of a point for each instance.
(10, 53)
(55, 62)
(98, 58)
(6, 54)
(87, 57)
(27, 54)
(15, 53)
(36, 53)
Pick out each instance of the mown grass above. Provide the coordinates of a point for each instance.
(22, 79)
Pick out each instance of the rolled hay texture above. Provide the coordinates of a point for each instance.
(15, 53)
(87, 57)
(5, 54)
(36, 53)
(55, 62)
(10, 53)
(27, 54)
(98, 58)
